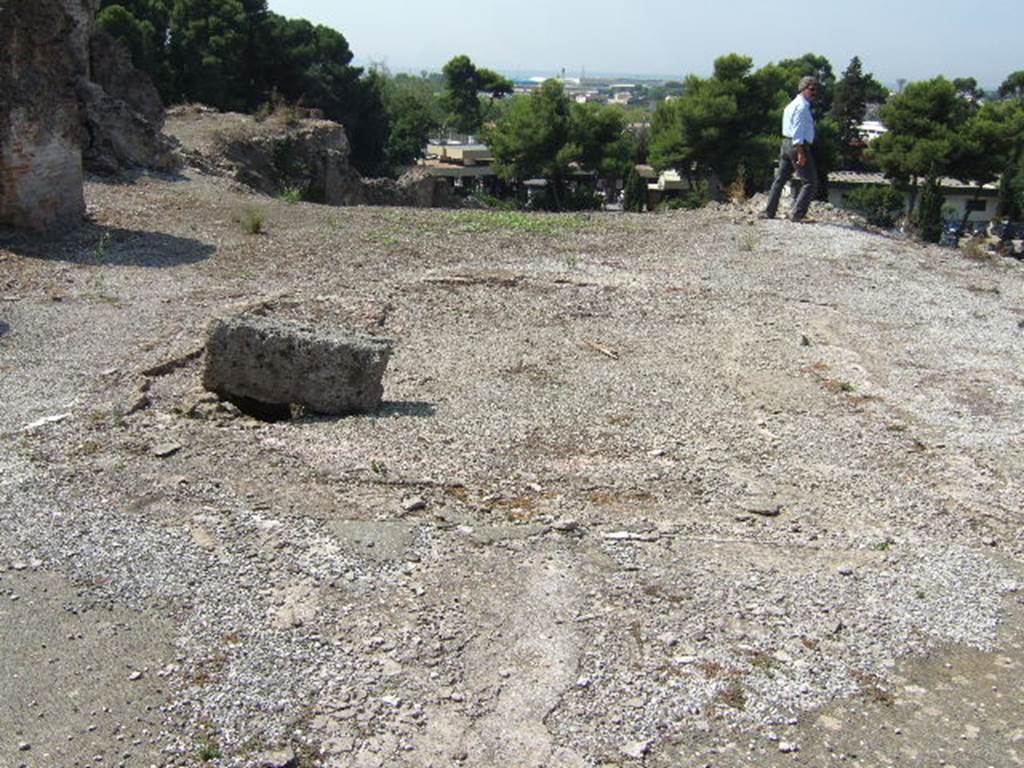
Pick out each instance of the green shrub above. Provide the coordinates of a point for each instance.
(291, 195)
(495, 202)
(690, 200)
(880, 204)
(694, 198)
(253, 221)
(582, 198)
(207, 750)
(264, 111)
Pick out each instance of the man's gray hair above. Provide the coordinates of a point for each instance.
(807, 82)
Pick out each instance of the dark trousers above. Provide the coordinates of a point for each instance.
(807, 174)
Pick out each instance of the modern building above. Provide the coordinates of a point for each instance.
(464, 164)
(662, 186)
(960, 197)
(871, 129)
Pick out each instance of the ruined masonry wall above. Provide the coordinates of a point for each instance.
(45, 45)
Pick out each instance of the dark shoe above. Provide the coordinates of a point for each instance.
(765, 215)
(804, 220)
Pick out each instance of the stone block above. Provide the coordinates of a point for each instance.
(276, 362)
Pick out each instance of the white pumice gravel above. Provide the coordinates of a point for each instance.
(644, 489)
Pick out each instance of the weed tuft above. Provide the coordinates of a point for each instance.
(207, 750)
(101, 251)
(764, 662)
(291, 195)
(516, 221)
(733, 696)
(253, 221)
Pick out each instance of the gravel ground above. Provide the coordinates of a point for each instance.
(664, 490)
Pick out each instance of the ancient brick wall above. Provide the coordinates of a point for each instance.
(44, 45)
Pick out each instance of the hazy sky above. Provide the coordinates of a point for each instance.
(912, 39)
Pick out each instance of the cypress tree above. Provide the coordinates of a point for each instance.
(634, 196)
(929, 210)
(848, 109)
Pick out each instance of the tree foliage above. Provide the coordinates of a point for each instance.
(533, 139)
(719, 123)
(967, 88)
(853, 92)
(414, 112)
(463, 83)
(143, 26)
(634, 193)
(604, 145)
(731, 119)
(849, 104)
(545, 135)
(1013, 86)
(207, 52)
(995, 149)
(935, 131)
(880, 204)
(925, 122)
(1011, 192)
(928, 216)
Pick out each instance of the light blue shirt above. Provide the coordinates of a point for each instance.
(798, 121)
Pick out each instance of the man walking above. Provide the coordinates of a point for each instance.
(796, 155)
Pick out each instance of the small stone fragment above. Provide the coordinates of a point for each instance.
(135, 676)
(629, 536)
(845, 570)
(414, 503)
(635, 749)
(830, 723)
(278, 758)
(787, 747)
(44, 421)
(765, 506)
(163, 450)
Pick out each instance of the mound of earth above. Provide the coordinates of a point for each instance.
(295, 154)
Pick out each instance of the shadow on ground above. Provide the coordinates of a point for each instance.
(128, 177)
(272, 412)
(4, 329)
(101, 245)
